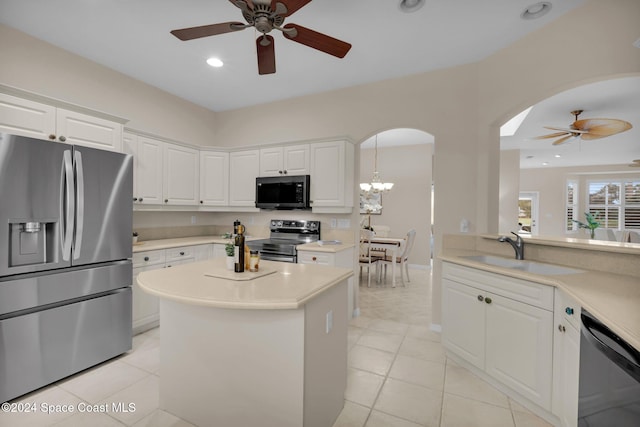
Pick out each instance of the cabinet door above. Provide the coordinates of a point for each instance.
(149, 170)
(463, 321)
(219, 251)
(81, 129)
(145, 307)
(566, 373)
(519, 344)
(27, 118)
(130, 146)
(296, 159)
(327, 174)
(181, 175)
(244, 168)
(214, 178)
(271, 161)
(203, 252)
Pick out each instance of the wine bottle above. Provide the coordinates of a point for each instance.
(239, 250)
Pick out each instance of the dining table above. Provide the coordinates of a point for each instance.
(387, 244)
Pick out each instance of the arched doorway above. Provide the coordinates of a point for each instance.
(404, 157)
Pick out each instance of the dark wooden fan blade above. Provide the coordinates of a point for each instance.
(292, 5)
(185, 34)
(317, 40)
(551, 135)
(266, 55)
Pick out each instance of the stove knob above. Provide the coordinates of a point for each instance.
(279, 223)
(273, 223)
(313, 225)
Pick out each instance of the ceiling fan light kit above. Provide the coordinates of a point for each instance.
(537, 10)
(265, 16)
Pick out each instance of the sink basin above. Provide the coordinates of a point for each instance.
(524, 265)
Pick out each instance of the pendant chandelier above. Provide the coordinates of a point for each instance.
(376, 185)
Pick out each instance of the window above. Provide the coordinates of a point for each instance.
(571, 198)
(616, 203)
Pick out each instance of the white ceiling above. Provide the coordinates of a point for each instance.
(132, 37)
(611, 99)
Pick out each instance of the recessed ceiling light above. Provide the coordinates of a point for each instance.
(536, 10)
(215, 62)
(545, 163)
(557, 156)
(410, 6)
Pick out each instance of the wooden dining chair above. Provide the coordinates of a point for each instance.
(367, 258)
(402, 258)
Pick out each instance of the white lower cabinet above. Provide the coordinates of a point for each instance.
(343, 258)
(146, 307)
(501, 325)
(566, 359)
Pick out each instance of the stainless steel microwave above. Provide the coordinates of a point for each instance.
(283, 192)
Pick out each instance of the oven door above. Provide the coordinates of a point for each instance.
(277, 257)
(609, 377)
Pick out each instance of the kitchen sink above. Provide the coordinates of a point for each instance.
(524, 265)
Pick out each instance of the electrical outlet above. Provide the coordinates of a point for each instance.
(193, 219)
(334, 223)
(329, 321)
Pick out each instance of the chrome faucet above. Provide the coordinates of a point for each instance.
(518, 245)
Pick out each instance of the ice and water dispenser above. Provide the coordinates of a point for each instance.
(32, 242)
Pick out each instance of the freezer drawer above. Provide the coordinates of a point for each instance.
(43, 347)
(32, 291)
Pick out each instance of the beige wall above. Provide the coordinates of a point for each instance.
(408, 205)
(463, 107)
(550, 183)
(509, 190)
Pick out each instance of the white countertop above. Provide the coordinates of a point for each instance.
(316, 247)
(153, 245)
(290, 287)
(613, 298)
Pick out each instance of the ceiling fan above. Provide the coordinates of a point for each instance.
(264, 16)
(587, 129)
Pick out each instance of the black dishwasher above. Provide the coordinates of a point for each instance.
(609, 377)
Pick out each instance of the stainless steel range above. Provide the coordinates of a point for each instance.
(285, 236)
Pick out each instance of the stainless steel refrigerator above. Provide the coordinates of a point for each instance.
(65, 260)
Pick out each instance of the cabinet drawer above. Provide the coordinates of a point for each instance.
(316, 258)
(524, 291)
(148, 258)
(183, 252)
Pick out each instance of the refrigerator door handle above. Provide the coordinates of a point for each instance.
(68, 206)
(79, 175)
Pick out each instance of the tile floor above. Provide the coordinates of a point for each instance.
(398, 376)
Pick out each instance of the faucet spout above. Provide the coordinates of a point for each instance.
(518, 245)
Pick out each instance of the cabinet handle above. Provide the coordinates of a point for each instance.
(62, 139)
(480, 298)
(285, 172)
(140, 199)
(166, 200)
(201, 202)
(561, 328)
(169, 266)
(314, 259)
(146, 258)
(135, 199)
(487, 300)
(52, 137)
(181, 253)
(569, 311)
(280, 172)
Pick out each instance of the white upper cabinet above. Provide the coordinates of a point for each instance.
(147, 168)
(332, 178)
(38, 120)
(287, 160)
(81, 129)
(244, 168)
(214, 178)
(181, 175)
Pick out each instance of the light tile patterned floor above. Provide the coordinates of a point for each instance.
(398, 376)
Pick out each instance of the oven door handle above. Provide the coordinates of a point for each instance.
(281, 258)
(631, 364)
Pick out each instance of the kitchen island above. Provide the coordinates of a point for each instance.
(268, 350)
